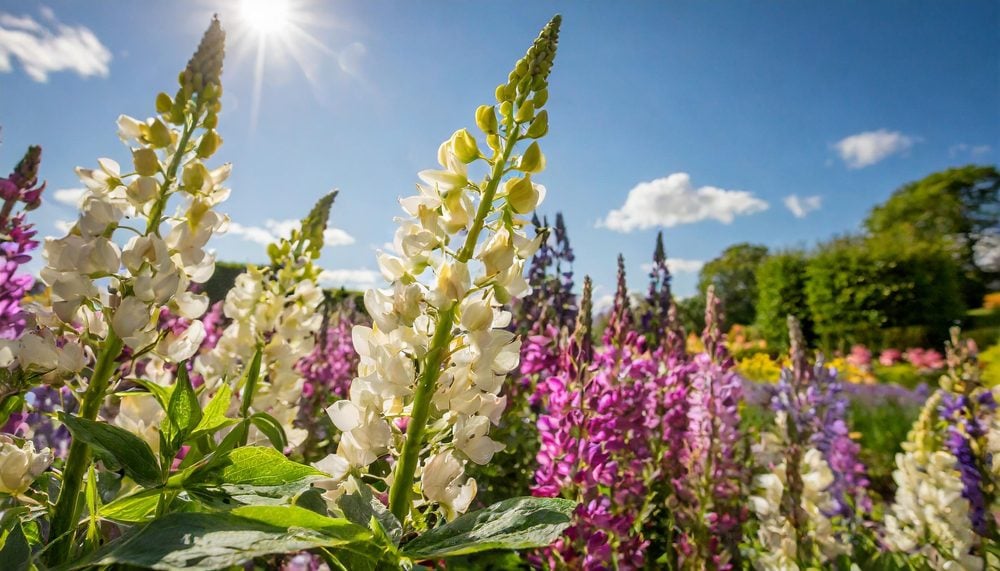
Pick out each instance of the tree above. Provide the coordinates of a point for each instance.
(781, 284)
(957, 210)
(734, 275)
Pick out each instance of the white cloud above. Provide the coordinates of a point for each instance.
(973, 150)
(865, 149)
(360, 278)
(49, 47)
(800, 207)
(674, 200)
(679, 266)
(70, 196)
(337, 237)
(276, 229)
(603, 304)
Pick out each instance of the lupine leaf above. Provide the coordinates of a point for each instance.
(183, 411)
(271, 428)
(133, 508)
(207, 541)
(15, 552)
(517, 523)
(214, 416)
(362, 508)
(119, 447)
(250, 475)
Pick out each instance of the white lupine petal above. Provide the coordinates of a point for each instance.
(346, 416)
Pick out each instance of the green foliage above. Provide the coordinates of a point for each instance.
(219, 540)
(517, 523)
(989, 359)
(952, 210)
(734, 275)
(905, 375)
(781, 285)
(14, 550)
(691, 311)
(857, 290)
(248, 475)
(883, 428)
(117, 447)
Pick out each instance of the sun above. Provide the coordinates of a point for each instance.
(266, 17)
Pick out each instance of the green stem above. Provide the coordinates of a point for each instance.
(67, 508)
(170, 176)
(399, 493)
(402, 483)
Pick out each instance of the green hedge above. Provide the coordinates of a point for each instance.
(859, 292)
(781, 282)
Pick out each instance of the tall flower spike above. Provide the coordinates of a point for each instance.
(798, 352)
(110, 296)
(434, 361)
(620, 320)
(713, 337)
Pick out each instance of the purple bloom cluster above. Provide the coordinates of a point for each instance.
(17, 236)
(966, 408)
(712, 516)
(333, 363)
(815, 402)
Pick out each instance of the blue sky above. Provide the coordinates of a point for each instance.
(704, 119)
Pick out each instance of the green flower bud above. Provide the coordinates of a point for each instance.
(194, 176)
(540, 98)
(501, 93)
(505, 108)
(486, 119)
(211, 120)
(532, 160)
(146, 163)
(539, 125)
(521, 195)
(526, 112)
(158, 134)
(209, 143)
(493, 141)
(163, 103)
(463, 144)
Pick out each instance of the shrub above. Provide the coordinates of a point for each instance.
(858, 292)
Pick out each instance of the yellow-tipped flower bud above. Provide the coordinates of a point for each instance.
(532, 161)
(209, 143)
(506, 108)
(540, 98)
(521, 195)
(464, 146)
(163, 103)
(158, 134)
(539, 125)
(205, 66)
(146, 163)
(526, 112)
(486, 119)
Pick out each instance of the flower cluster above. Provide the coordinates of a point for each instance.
(20, 188)
(434, 360)
(274, 317)
(945, 476)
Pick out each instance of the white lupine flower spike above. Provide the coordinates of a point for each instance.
(434, 360)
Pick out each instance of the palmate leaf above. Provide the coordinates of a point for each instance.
(517, 523)
(217, 540)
